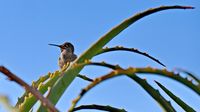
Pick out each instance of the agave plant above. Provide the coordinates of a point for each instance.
(56, 83)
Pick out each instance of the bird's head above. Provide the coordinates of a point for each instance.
(66, 46)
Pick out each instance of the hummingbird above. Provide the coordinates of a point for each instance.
(67, 54)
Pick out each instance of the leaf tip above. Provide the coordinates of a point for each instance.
(189, 7)
(157, 82)
(184, 7)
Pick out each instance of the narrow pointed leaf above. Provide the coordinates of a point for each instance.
(154, 71)
(99, 107)
(119, 48)
(84, 77)
(190, 74)
(186, 107)
(171, 75)
(154, 93)
(130, 72)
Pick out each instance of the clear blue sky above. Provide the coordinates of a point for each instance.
(27, 27)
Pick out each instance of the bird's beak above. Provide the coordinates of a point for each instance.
(55, 45)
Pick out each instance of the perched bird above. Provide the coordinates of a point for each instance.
(67, 54)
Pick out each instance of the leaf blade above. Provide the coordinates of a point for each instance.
(186, 107)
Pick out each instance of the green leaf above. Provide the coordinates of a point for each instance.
(64, 81)
(35, 84)
(186, 107)
(154, 93)
(84, 77)
(191, 75)
(30, 100)
(120, 48)
(99, 107)
(171, 75)
(130, 72)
